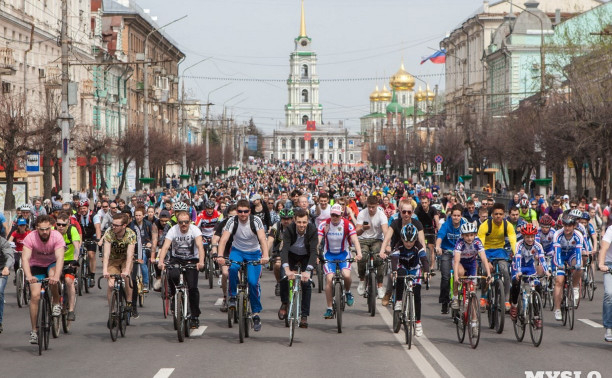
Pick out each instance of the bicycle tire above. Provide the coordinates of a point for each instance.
(87, 273)
(520, 322)
(564, 306)
(338, 305)
(583, 284)
(179, 318)
(187, 317)
(293, 315)
(113, 316)
(79, 277)
(165, 297)
(124, 315)
(241, 317)
(500, 309)
(287, 317)
(590, 282)
(491, 305)
(56, 320)
(408, 315)
(460, 317)
(211, 273)
(536, 310)
(397, 321)
(320, 278)
(473, 310)
(570, 308)
(372, 294)
(551, 290)
(40, 323)
(230, 317)
(19, 284)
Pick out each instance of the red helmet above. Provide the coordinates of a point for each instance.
(546, 220)
(529, 229)
(84, 203)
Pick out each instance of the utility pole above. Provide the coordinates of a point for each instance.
(208, 104)
(223, 142)
(65, 118)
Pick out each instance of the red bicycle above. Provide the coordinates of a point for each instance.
(468, 314)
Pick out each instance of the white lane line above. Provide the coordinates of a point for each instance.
(415, 355)
(164, 373)
(219, 302)
(591, 323)
(444, 362)
(198, 332)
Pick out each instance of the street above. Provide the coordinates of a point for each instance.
(367, 347)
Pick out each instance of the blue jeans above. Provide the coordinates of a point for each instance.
(607, 300)
(253, 274)
(3, 281)
(144, 268)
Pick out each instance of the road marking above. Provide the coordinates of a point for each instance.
(591, 323)
(198, 332)
(164, 373)
(444, 362)
(415, 355)
(219, 302)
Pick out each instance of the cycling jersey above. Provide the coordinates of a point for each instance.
(18, 239)
(336, 240)
(412, 259)
(587, 236)
(567, 250)
(529, 216)
(207, 223)
(525, 256)
(546, 240)
(468, 252)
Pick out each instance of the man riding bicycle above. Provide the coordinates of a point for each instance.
(371, 228)
(90, 237)
(73, 247)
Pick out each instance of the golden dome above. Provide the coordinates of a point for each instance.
(419, 96)
(402, 80)
(375, 96)
(429, 95)
(385, 94)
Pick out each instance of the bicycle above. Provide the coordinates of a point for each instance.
(468, 314)
(548, 284)
(210, 266)
(22, 287)
(407, 314)
(496, 309)
(65, 305)
(529, 311)
(370, 285)
(338, 292)
(567, 302)
(43, 318)
(165, 293)
(146, 251)
(295, 303)
(588, 279)
(118, 315)
(181, 312)
(83, 272)
(243, 313)
(139, 285)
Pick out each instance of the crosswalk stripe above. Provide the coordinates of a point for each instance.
(591, 323)
(198, 332)
(164, 373)
(219, 302)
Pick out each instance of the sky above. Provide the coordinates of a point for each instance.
(247, 43)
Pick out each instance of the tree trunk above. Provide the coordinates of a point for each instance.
(56, 174)
(9, 199)
(47, 175)
(126, 164)
(578, 170)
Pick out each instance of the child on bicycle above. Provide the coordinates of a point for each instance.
(412, 261)
(527, 251)
(465, 262)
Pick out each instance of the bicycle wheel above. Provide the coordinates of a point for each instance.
(65, 322)
(26, 292)
(211, 273)
(113, 315)
(179, 318)
(473, 319)
(287, 317)
(19, 284)
(56, 320)
(564, 306)
(583, 283)
(241, 317)
(165, 293)
(40, 323)
(187, 317)
(408, 316)
(372, 293)
(320, 278)
(338, 304)
(519, 323)
(79, 277)
(141, 295)
(47, 323)
(230, 317)
(124, 314)
(460, 318)
(397, 321)
(551, 290)
(491, 293)
(294, 316)
(590, 282)
(536, 310)
(87, 273)
(500, 308)
(570, 307)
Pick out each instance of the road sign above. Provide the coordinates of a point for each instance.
(32, 162)
(438, 173)
(388, 157)
(382, 147)
(439, 159)
(438, 167)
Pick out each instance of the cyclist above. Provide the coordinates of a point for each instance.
(517, 223)
(336, 232)
(231, 211)
(299, 249)
(42, 251)
(590, 237)
(527, 214)
(249, 244)
(17, 237)
(85, 218)
(275, 242)
(162, 229)
(208, 220)
(527, 251)
(493, 234)
(568, 244)
(118, 254)
(429, 217)
(7, 259)
(448, 236)
(73, 247)
(145, 229)
(605, 263)
(371, 228)
(184, 241)
(545, 234)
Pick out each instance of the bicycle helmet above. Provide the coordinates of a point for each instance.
(180, 206)
(409, 233)
(468, 228)
(210, 204)
(529, 229)
(337, 195)
(546, 220)
(25, 207)
(84, 203)
(352, 194)
(286, 213)
(568, 220)
(524, 203)
(56, 208)
(586, 216)
(575, 213)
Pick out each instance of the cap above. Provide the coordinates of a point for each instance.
(21, 222)
(566, 197)
(164, 213)
(336, 209)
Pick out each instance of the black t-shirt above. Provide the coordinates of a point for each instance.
(396, 225)
(426, 217)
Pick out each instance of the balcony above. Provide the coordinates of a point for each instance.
(53, 77)
(7, 61)
(139, 86)
(87, 88)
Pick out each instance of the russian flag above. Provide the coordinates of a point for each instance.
(439, 57)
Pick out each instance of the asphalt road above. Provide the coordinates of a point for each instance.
(367, 347)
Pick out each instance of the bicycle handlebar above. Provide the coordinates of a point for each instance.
(337, 261)
(182, 266)
(114, 276)
(241, 263)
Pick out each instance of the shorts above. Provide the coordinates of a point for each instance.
(70, 267)
(470, 266)
(496, 253)
(330, 267)
(569, 258)
(430, 237)
(525, 271)
(41, 272)
(116, 266)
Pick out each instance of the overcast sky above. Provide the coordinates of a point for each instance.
(354, 39)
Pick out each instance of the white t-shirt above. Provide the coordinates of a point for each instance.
(608, 237)
(325, 215)
(375, 223)
(183, 244)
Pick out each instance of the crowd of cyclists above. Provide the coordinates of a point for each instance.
(294, 215)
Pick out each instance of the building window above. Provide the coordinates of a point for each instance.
(321, 157)
(302, 144)
(304, 95)
(292, 156)
(339, 143)
(331, 157)
(284, 157)
(283, 144)
(293, 144)
(304, 71)
(271, 156)
(304, 119)
(351, 157)
(331, 143)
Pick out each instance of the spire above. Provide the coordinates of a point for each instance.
(302, 23)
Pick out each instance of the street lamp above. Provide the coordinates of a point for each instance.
(145, 166)
(208, 104)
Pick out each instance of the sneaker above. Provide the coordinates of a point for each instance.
(277, 290)
(135, 314)
(444, 308)
(386, 299)
(232, 303)
(92, 280)
(33, 337)
(304, 322)
(194, 323)
(608, 336)
(558, 315)
(329, 314)
(223, 307)
(381, 292)
(128, 307)
(256, 323)
(146, 288)
(418, 329)
(57, 310)
(361, 288)
(576, 296)
(71, 316)
(513, 313)
(455, 304)
(474, 329)
(349, 299)
(157, 285)
(282, 311)
(398, 306)
(507, 305)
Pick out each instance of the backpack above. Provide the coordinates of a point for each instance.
(251, 222)
(490, 225)
(69, 234)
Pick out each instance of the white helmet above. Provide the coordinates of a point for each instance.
(180, 206)
(25, 207)
(575, 213)
(468, 228)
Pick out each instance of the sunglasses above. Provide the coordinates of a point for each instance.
(44, 228)
(406, 212)
(184, 222)
(243, 211)
(335, 215)
(61, 224)
(117, 225)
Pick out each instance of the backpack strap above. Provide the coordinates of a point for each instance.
(490, 225)
(69, 233)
